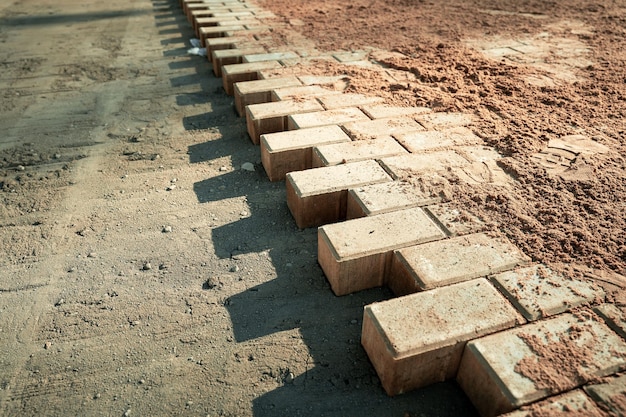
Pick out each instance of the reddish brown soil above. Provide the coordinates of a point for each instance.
(574, 218)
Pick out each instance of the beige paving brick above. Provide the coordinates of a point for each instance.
(236, 73)
(325, 118)
(417, 340)
(390, 196)
(222, 57)
(227, 42)
(259, 91)
(568, 349)
(454, 221)
(269, 56)
(610, 395)
(341, 153)
(370, 129)
(355, 254)
(613, 317)
(216, 32)
(384, 111)
(463, 258)
(318, 196)
(305, 61)
(350, 56)
(288, 151)
(272, 117)
(439, 121)
(304, 91)
(324, 79)
(405, 166)
(348, 100)
(537, 291)
(573, 403)
(417, 142)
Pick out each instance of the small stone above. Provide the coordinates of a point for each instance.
(142, 381)
(47, 345)
(167, 229)
(289, 378)
(60, 302)
(223, 169)
(170, 187)
(91, 255)
(173, 180)
(20, 168)
(212, 282)
(162, 267)
(95, 397)
(353, 321)
(72, 269)
(247, 166)
(127, 413)
(234, 268)
(57, 156)
(147, 266)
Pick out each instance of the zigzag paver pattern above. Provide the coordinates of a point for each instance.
(458, 295)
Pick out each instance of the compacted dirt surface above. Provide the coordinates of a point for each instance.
(144, 272)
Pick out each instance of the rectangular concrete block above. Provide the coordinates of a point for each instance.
(318, 196)
(537, 291)
(417, 142)
(269, 56)
(348, 100)
(227, 42)
(289, 151)
(341, 153)
(216, 32)
(613, 317)
(453, 220)
(328, 80)
(301, 92)
(375, 199)
(222, 57)
(573, 403)
(505, 371)
(325, 118)
(272, 117)
(259, 91)
(417, 340)
(236, 73)
(444, 120)
(446, 262)
(355, 255)
(384, 111)
(406, 166)
(371, 129)
(610, 394)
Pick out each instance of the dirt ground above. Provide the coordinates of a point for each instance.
(145, 273)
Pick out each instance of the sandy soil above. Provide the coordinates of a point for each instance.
(145, 273)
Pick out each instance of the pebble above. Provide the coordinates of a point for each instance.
(167, 229)
(72, 269)
(290, 377)
(127, 413)
(170, 187)
(247, 166)
(60, 302)
(162, 267)
(353, 321)
(20, 168)
(57, 156)
(222, 169)
(212, 282)
(234, 268)
(147, 266)
(91, 255)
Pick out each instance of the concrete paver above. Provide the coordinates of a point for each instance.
(235, 73)
(418, 339)
(272, 117)
(371, 129)
(416, 142)
(325, 118)
(341, 153)
(571, 403)
(259, 91)
(610, 394)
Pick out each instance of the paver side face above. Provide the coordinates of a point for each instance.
(573, 349)
(538, 291)
(459, 259)
(613, 317)
(611, 394)
(424, 333)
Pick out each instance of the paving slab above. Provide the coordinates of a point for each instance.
(505, 371)
(370, 129)
(325, 118)
(222, 57)
(402, 167)
(270, 56)
(611, 395)
(444, 120)
(348, 100)
(390, 196)
(289, 151)
(418, 339)
(301, 92)
(445, 262)
(384, 111)
(259, 91)
(346, 152)
(227, 42)
(236, 73)
(272, 117)
(538, 291)
(208, 32)
(454, 221)
(417, 142)
(355, 255)
(319, 196)
(574, 403)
